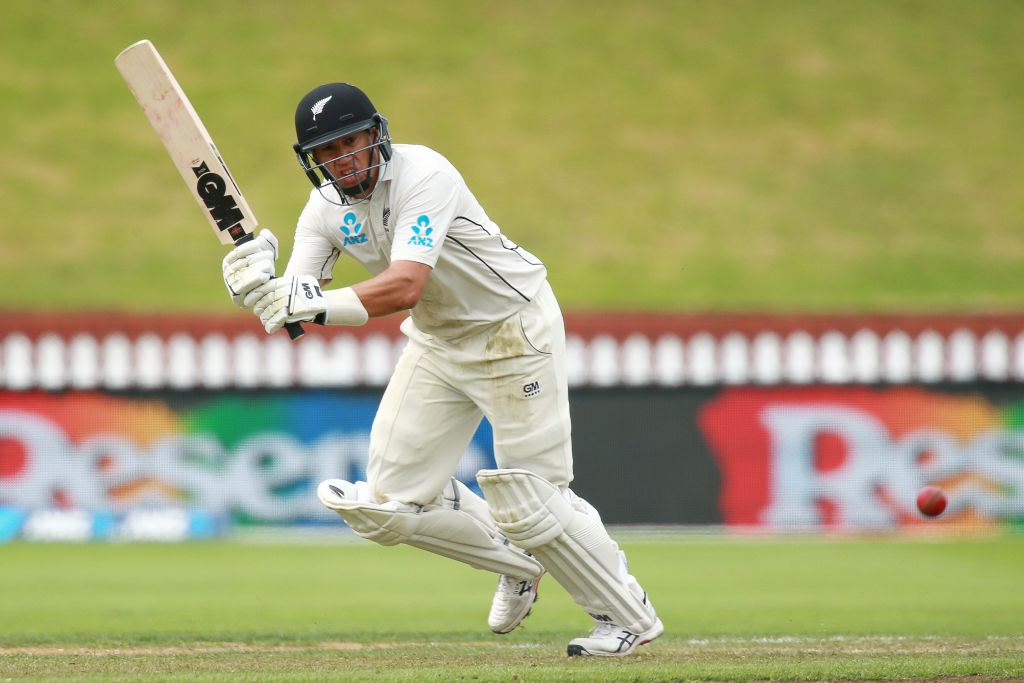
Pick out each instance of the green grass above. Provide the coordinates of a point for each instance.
(733, 609)
(687, 155)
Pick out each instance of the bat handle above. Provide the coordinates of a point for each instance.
(294, 329)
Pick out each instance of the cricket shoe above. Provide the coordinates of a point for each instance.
(610, 640)
(512, 602)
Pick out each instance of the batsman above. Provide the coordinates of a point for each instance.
(485, 339)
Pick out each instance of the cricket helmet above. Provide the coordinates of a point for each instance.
(330, 112)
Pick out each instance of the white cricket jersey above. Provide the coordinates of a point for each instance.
(423, 211)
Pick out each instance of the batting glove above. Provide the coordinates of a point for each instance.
(249, 265)
(288, 299)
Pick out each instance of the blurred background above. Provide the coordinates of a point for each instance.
(787, 239)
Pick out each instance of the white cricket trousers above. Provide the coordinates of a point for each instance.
(513, 374)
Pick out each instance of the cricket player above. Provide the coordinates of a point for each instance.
(486, 338)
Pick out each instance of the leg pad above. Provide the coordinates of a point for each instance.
(441, 529)
(558, 528)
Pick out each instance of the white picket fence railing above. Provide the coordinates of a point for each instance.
(666, 354)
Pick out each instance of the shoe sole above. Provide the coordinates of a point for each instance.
(580, 651)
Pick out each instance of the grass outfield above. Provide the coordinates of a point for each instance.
(807, 608)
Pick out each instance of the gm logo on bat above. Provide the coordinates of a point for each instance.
(222, 206)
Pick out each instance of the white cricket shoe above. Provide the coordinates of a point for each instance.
(512, 602)
(610, 640)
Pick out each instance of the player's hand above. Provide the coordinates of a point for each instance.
(288, 299)
(249, 265)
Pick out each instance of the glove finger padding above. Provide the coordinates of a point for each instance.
(245, 274)
(265, 241)
(262, 297)
(249, 265)
(288, 299)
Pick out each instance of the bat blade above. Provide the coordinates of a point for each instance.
(187, 142)
(190, 146)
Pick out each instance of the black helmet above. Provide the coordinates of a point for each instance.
(330, 112)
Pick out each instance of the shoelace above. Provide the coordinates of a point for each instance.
(510, 587)
(604, 629)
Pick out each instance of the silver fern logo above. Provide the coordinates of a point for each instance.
(318, 108)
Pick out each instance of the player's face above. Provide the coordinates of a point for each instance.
(348, 158)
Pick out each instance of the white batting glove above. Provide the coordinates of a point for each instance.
(249, 265)
(288, 299)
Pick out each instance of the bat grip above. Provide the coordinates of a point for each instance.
(294, 329)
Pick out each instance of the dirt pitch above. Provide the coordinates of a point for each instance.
(836, 658)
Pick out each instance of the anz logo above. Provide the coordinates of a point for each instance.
(352, 230)
(422, 231)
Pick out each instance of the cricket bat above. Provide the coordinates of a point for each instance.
(191, 148)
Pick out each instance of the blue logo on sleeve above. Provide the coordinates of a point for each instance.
(352, 230)
(422, 237)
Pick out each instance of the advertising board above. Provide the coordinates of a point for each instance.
(169, 465)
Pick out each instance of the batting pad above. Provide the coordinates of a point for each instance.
(571, 544)
(444, 529)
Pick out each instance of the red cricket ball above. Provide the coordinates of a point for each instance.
(931, 501)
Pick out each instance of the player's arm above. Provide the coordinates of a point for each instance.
(295, 298)
(397, 288)
(302, 298)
